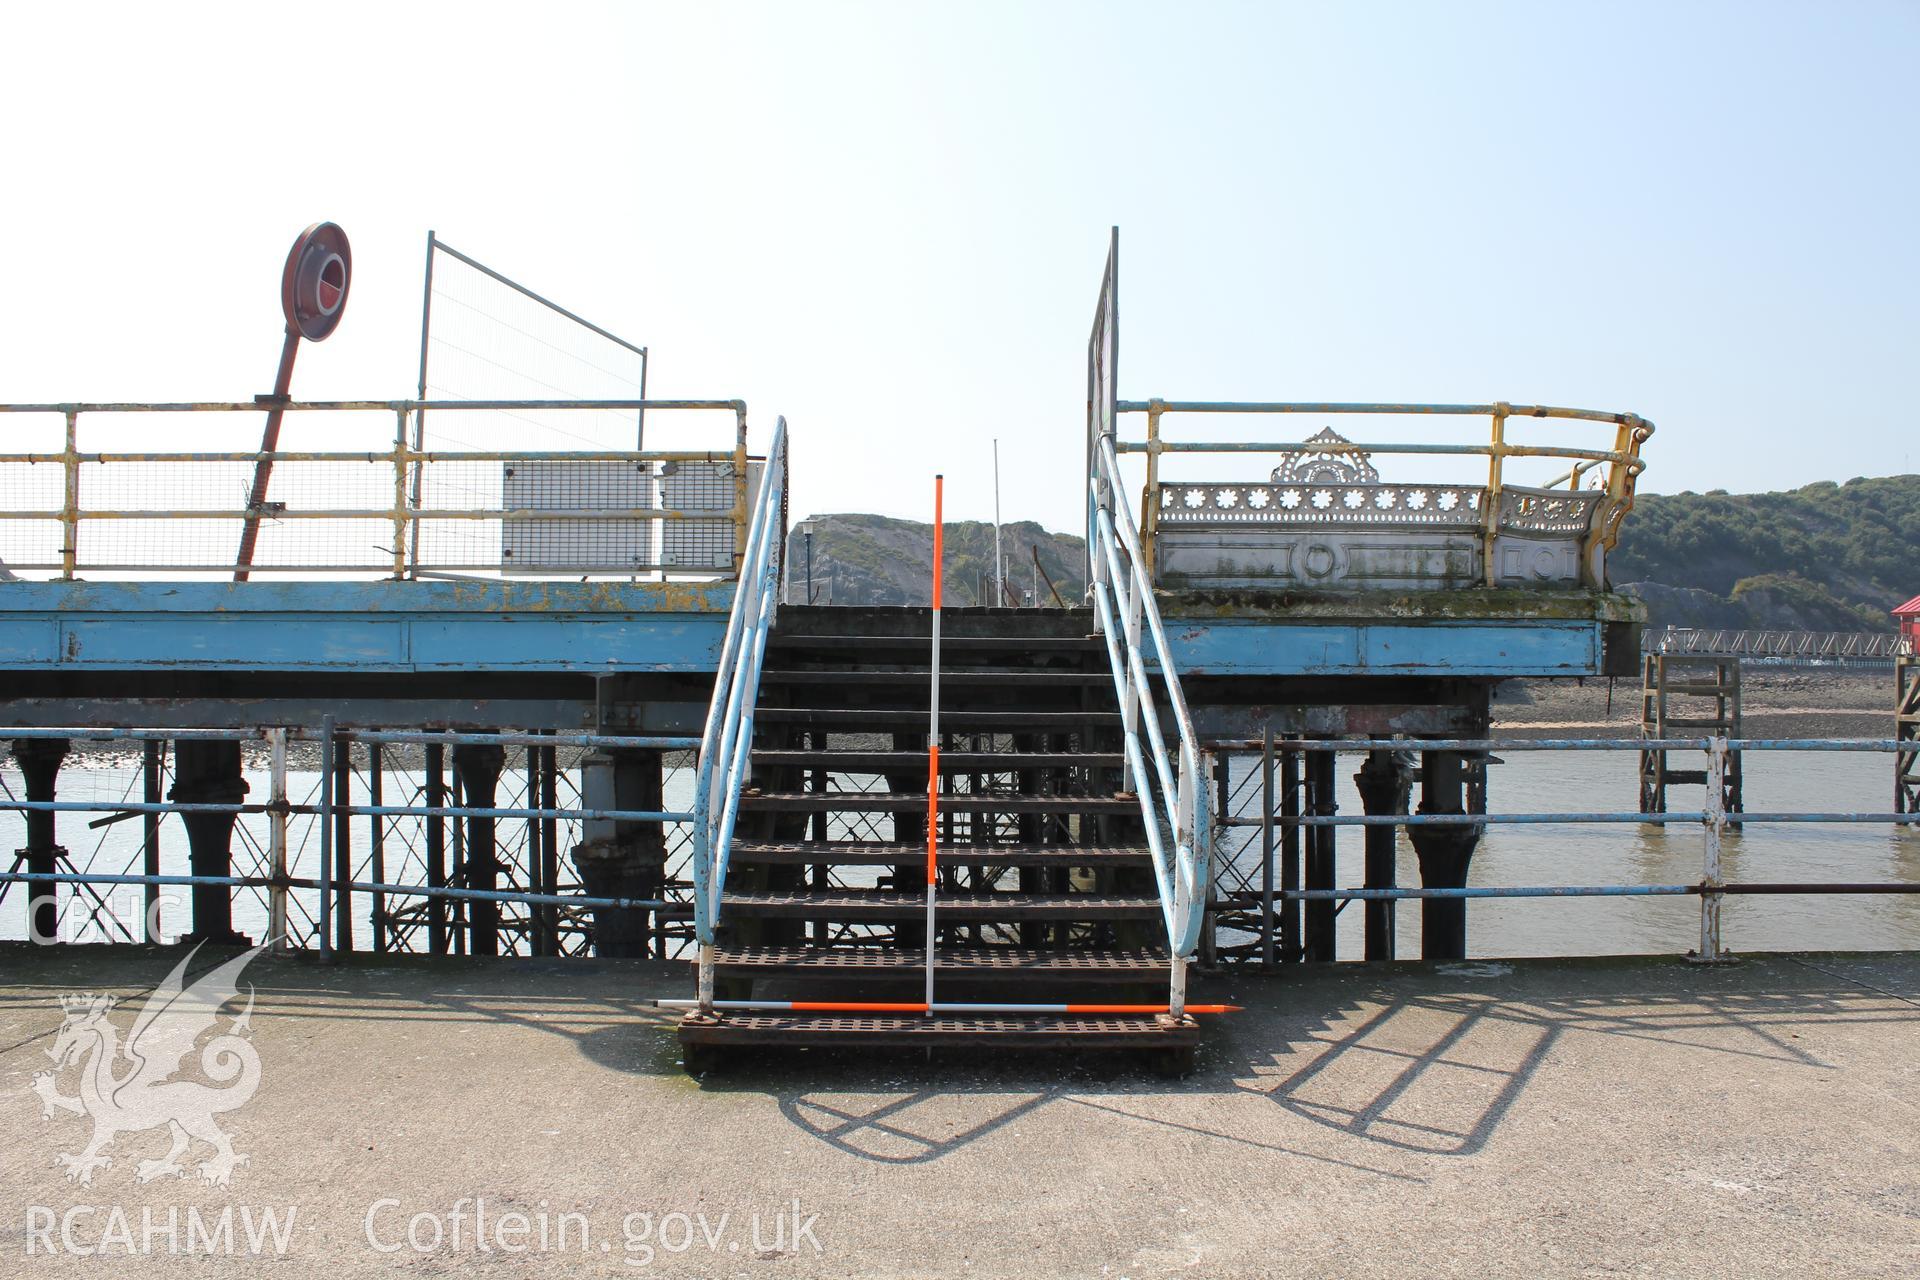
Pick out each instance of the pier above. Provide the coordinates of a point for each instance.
(550, 702)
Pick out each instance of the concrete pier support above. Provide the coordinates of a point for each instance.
(208, 772)
(479, 770)
(1385, 787)
(1320, 870)
(39, 760)
(621, 859)
(1445, 850)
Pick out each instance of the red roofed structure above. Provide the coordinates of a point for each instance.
(1908, 617)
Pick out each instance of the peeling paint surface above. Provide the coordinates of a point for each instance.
(364, 626)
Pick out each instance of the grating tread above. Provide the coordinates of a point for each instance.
(964, 676)
(954, 961)
(1038, 1030)
(882, 854)
(954, 906)
(950, 761)
(955, 719)
(916, 801)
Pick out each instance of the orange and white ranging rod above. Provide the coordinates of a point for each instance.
(933, 737)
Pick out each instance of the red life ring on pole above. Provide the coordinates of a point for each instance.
(313, 287)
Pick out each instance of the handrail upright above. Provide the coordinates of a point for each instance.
(726, 738)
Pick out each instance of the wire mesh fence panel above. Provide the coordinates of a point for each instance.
(488, 339)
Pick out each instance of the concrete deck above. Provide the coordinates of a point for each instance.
(1636, 1117)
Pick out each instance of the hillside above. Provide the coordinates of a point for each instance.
(1828, 557)
(865, 559)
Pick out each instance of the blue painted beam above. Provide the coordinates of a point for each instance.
(1482, 648)
(351, 627)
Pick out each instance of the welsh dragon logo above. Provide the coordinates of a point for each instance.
(131, 1087)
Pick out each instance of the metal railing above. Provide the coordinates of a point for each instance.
(726, 743)
(1623, 462)
(1799, 646)
(333, 882)
(1263, 907)
(399, 510)
(1173, 796)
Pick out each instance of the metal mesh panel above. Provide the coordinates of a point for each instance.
(701, 487)
(488, 339)
(577, 486)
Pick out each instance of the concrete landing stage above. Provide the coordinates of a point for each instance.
(1634, 1117)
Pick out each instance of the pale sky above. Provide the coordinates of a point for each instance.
(886, 221)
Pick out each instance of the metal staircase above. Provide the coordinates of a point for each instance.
(1048, 894)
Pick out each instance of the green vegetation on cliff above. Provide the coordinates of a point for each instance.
(1824, 557)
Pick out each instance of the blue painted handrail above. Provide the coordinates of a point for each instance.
(1171, 786)
(728, 737)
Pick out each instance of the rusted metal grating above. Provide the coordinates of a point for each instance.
(883, 854)
(1110, 963)
(954, 907)
(1039, 1031)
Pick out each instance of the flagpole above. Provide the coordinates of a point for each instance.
(933, 737)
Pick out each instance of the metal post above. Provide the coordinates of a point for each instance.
(343, 842)
(377, 848)
(420, 419)
(277, 840)
(400, 496)
(536, 858)
(999, 561)
(70, 504)
(1150, 495)
(153, 752)
(1290, 947)
(933, 735)
(1714, 824)
(1490, 518)
(1321, 858)
(263, 466)
(436, 849)
(550, 843)
(325, 921)
(1266, 848)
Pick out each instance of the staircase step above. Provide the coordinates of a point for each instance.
(950, 761)
(916, 802)
(953, 908)
(955, 720)
(880, 854)
(948, 643)
(965, 677)
(1088, 964)
(1106, 1031)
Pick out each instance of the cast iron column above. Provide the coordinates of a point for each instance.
(618, 859)
(208, 772)
(479, 769)
(1384, 789)
(39, 760)
(1320, 912)
(1445, 849)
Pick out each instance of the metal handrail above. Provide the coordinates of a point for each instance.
(727, 739)
(1624, 461)
(1876, 646)
(404, 512)
(1123, 600)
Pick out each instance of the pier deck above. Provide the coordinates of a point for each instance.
(1638, 1116)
